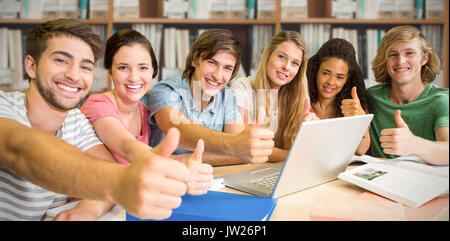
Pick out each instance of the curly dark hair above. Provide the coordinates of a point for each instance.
(341, 49)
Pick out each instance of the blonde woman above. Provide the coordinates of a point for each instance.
(282, 70)
(411, 114)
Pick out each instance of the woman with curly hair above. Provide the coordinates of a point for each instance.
(336, 85)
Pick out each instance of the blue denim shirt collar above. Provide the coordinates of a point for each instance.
(210, 107)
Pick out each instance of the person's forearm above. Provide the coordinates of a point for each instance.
(363, 145)
(219, 143)
(433, 152)
(132, 149)
(278, 155)
(96, 208)
(55, 165)
(215, 142)
(220, 160)
(211, 159)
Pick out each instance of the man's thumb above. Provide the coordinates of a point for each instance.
(169, 144)
(399, 120)
(198, 152)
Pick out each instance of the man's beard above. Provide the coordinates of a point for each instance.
(50, 97)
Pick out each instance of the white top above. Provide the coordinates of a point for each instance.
(247, 98)
(245, 95)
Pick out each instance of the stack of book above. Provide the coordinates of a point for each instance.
(82, 9)
(387, 9)
(224, 9)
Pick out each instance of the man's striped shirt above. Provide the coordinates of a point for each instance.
(19, 198)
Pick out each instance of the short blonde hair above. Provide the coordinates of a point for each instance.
(404, 33)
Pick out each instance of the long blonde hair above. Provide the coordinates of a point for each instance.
(398, 34)
(291, 97)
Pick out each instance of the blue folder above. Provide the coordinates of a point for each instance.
(220, 206)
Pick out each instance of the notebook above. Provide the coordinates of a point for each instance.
(220, 206)
(321, 150)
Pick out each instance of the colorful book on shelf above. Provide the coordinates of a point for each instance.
(83, 6)
(220, 206)
(251, 9)
(419, 9)
(371, 207)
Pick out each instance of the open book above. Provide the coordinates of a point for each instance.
(407, 180)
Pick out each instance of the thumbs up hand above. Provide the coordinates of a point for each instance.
(307, 115)
(201, 173)
(399, 120)
(352, 107)
(153, 184)
(398, 141)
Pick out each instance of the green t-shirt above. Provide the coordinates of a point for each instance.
(424, 115)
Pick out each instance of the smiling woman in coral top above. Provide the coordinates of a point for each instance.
(120, 119)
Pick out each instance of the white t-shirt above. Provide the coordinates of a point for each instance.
(19, 198)
(248, 98)
(245, 95)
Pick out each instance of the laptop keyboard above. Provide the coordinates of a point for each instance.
(266, 181)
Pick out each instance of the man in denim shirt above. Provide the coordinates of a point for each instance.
(201, 105)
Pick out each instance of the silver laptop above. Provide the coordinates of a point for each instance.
(321, 150)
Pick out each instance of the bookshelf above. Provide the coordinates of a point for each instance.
(197, 21)
(319, 12)
(365, 21)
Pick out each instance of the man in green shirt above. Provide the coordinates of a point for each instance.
(411, 114)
